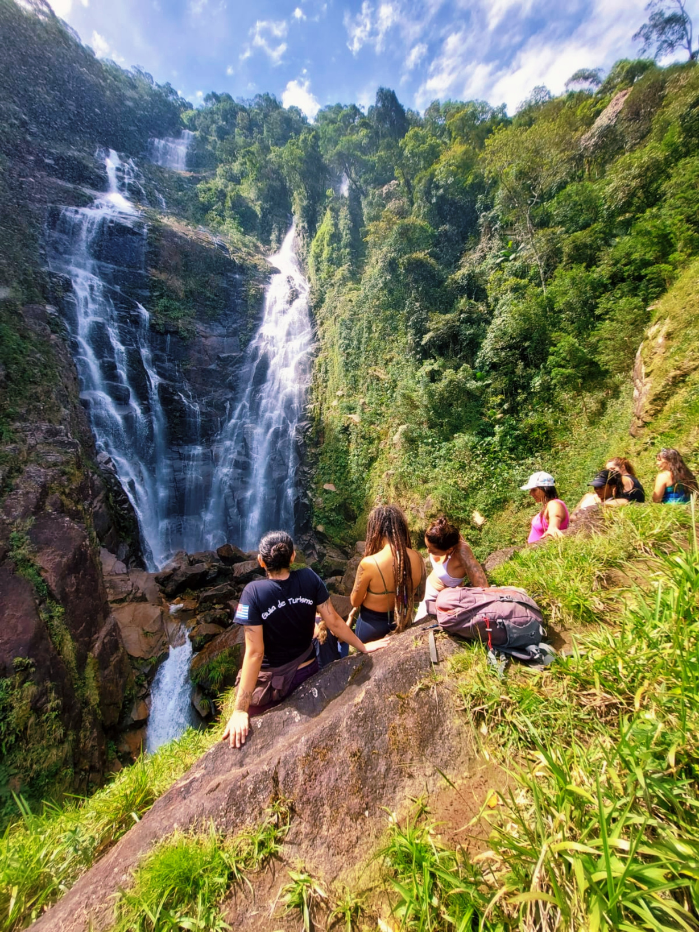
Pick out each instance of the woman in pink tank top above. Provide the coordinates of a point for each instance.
(553, 518)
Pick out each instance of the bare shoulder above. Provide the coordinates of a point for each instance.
(417, 561)
(366, 567)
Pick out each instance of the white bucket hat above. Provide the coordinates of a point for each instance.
(539, 480)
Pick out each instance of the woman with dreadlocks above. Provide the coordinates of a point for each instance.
(390, 578)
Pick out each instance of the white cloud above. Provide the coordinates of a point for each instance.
(103, 49)
(230, 70)
(370, 27)
(298, 13)
(196, 7)
(470, 63)
(63, 7)
(415, 56)
(298, 94)
(268, 35)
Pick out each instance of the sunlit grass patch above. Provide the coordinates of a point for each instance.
(602, 829)
(579, 579)
(182, 883)
(43, 854)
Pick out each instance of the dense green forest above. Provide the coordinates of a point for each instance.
(481, 283)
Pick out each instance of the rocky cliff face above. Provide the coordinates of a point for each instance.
(64, 668)
(363, 736)
(82, 625)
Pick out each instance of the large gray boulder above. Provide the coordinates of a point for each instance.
(364, 735)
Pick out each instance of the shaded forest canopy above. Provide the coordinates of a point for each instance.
(480, 282)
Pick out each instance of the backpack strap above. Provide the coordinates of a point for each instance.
(489, 631)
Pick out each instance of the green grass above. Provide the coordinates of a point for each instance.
(43, 854)
(304, 895)
(181, 883)
(431, 886)
(582, 578)
(601, 831)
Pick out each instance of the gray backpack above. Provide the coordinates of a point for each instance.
(505, 619)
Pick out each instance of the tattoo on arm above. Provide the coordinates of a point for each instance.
(242, 699)
(420, 591)
(474, 569)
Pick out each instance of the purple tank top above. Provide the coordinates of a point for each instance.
(540, 524)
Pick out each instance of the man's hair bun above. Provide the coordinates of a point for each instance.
(276, 549)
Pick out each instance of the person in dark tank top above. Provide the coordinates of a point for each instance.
(633, 490)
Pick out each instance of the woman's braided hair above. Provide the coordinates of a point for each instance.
(388, 521)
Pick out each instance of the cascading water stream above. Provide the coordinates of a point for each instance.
(110, 335)
(167, 474)
(171, 152)
(255, 485)
(171, 710)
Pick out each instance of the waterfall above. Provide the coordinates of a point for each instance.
(101, 249)
(171, 711)
(257, 454)
(171, 152)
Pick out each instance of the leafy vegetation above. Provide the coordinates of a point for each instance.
(500, 293)
(303, 895)
(182, 882)
(600, 831)
(583, 580)
(43, 854)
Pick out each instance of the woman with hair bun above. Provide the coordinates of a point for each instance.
(279, 615)
(452, 562)
(390, 578)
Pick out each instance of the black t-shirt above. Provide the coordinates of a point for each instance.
(635, 494)
(286, 609)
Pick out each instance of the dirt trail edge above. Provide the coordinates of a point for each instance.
(364, 734)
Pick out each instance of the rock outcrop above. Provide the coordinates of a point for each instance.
(362, 736)
(58, 645)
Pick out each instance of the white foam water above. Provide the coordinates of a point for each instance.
(257, 455)
(171, 152)
(171, 711)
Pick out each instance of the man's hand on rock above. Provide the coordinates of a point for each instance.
(237, 729)
(377, 645)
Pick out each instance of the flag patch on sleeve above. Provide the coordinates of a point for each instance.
(242, 612)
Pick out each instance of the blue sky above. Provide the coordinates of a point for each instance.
(316, 52)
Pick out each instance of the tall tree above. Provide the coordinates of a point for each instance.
(669, 28)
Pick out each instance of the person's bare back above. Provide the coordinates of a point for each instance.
(375, 584)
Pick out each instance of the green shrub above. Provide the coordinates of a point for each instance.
(601, 827)
(583, 578)
(43, 854)
(182, 883)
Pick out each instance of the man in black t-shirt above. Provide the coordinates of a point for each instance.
(286, 610)
(279, 618)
